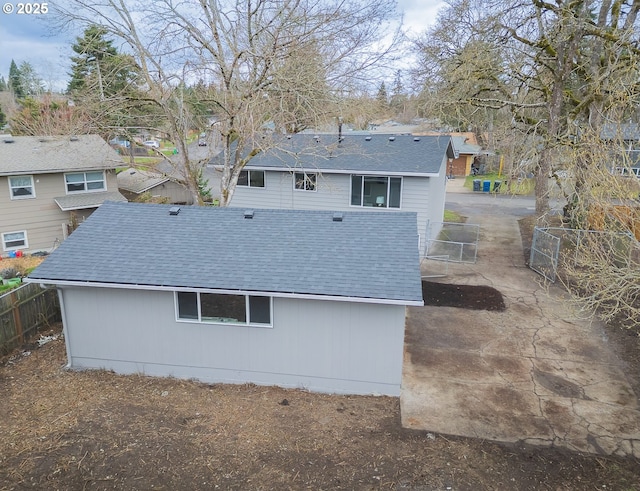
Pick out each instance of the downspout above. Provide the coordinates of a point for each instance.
(65, 331)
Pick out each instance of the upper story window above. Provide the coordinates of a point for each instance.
(376, 191)
(82, 182)
(305, 181)
(244, 310)
(251, 178)
(21, 187)
(12, 241)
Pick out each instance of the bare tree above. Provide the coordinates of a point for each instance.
(262, 63)
(553, 67)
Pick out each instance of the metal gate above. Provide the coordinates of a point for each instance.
(545, 249)
(453, 242)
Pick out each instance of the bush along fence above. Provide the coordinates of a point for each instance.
(23, 312)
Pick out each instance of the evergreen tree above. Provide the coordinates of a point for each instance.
(15, 81)
(98, 66)
(3, 118)
(31, 83)
(383, 97)
(3, 84)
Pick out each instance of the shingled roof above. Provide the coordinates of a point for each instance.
(359, 256)
(374, 154)
(50, 154)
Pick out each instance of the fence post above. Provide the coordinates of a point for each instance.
(16, 316)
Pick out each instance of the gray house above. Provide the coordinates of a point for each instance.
(295, 298)
(371, 173)
(134, 183)
(47, 184)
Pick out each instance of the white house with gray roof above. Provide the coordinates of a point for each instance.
(46, 180)
(372, 173)
(295, 298)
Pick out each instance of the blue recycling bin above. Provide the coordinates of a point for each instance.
(486, 186)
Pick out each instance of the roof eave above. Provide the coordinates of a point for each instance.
(359, 172)
(307, 296)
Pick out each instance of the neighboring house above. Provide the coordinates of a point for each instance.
(49, 184)
(627, 136)
(295, 298)
(353, 172)
(467, 148)
(133, 183)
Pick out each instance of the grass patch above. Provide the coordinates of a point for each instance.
(452, 216)
(521, 186)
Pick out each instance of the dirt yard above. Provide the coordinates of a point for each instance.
(97, 430)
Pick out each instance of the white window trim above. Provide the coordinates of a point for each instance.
(33, 188)
(248, 185)
(386, 207)
(4, 241)
(104, 180)
(315, 186)
(234, 324)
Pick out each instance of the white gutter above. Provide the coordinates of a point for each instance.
(124, 286)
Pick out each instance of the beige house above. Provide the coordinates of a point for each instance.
(49, 184)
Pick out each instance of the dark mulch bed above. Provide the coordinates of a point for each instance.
(463, 296)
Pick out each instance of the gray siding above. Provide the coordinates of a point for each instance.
(423, 195)
(40, 216)
(324, 346)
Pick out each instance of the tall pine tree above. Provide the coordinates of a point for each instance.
(15, 81)
(98, 66)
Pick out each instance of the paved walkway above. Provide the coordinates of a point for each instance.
(535, 373)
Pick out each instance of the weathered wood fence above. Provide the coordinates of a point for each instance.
(23, 312)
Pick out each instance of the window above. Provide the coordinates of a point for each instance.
(21, 187)
(305, 181)
(14, 240)
(214, 308)
(376, 191)
(251, 178)
(79, 182)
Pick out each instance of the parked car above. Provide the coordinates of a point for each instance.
(151, 144)
(202, 142)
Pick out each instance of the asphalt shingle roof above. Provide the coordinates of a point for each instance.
(80, 201)
(368, 255)
(39, 154)
(376, 153)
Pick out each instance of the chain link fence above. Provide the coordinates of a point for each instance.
(553, 246)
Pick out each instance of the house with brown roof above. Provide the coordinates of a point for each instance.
(49, 184)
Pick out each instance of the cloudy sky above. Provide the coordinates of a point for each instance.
(28, 38)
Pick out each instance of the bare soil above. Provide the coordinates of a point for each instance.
(473, 297)
(61, 429)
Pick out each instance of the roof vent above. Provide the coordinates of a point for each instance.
(367, 138)
(174, 210)
(338, 216)
(392, 138)
(248, 214)
(416, 139)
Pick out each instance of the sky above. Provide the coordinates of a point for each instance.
(29, 38)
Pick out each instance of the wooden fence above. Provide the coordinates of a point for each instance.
(23, 312)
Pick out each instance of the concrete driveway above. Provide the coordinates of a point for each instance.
(536, 373)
